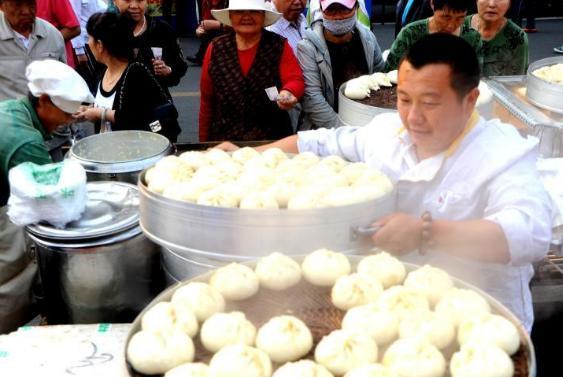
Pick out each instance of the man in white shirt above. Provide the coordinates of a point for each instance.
(489, 216)
(292, 23)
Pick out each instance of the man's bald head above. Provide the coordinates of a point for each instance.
(290, 9)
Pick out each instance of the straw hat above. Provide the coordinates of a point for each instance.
(222, 15)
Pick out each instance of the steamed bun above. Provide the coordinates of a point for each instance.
(342, 350)
(355, 290)
(459, 304)
(323, 267)
(238, 360)
(483, 360)
(284, 338)
(189, 370)
(302, 368)
(235, 281)
(430, 281)
(413, 357)
(158, 352)
(278, 272)
(200, 298)
(381, 325)
(222, 329)
(388, 269)
(166, 316)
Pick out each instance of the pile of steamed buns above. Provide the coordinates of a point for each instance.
(361, 87)
(395, 324)
(269, 180)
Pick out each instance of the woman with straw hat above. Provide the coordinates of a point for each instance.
(249, 78)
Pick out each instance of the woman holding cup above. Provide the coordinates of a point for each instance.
(155, 44)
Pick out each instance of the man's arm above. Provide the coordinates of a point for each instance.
(30, 152)
(315, 104)
(480, 240)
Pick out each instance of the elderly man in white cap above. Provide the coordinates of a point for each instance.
(55, 93)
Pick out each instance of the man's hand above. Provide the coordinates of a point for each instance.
(160, 68)
(82, 58)
(286, 100)
(398, 233)
(88, 113)
(200, 31)
(227, 146)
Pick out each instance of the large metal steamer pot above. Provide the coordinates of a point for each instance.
(313, 305)
(542, 93)
(196, 236)
(355, 113)
(100, 268)
(120, 155)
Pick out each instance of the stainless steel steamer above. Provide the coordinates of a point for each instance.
(197, 235)
(120, 155)
(100, 268)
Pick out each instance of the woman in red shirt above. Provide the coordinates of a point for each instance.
(242, 74)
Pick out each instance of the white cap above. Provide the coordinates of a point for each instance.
(66, 88)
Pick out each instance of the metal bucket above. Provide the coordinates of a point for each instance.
(100, 268)
(120, 155)
(544, 94)
(355, 113)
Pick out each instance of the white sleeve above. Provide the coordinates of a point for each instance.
(355, 144)
(78, 41)
(517, 201)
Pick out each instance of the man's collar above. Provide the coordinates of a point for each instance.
(473, 120)
(6, 31)
(471, 123)
(284, 23)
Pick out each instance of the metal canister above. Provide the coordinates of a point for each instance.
(119, 155)
(100, 268)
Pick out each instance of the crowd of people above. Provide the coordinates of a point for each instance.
(269, 71)
(331, 46)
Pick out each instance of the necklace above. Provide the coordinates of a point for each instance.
(110, 80)
(143, 28)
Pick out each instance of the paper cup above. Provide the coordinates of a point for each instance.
(157, 52)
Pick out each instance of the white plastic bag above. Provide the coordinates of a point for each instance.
(55, 193)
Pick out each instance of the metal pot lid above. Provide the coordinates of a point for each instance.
(120, 146)
(111, 208)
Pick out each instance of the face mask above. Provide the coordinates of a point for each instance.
(340, 27)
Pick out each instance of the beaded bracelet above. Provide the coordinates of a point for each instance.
(426, 236)
(103, 116)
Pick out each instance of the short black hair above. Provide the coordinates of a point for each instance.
(442, 48)
(455, 5)
(115, 31)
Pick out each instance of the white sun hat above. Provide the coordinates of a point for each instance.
(222, 15)
(64, 86)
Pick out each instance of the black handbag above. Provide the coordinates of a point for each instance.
(165, 115)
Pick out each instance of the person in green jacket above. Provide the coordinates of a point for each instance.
(55, 93)
(448, 18)
(505, 44)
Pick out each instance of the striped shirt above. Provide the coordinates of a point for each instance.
(292, 31)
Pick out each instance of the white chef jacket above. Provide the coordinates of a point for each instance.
(489, 172)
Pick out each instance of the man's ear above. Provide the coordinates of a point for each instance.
(44, 101)
(472, 97)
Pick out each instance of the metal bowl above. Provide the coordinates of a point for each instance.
(544, 94)
(119, 155)
(313, 305)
